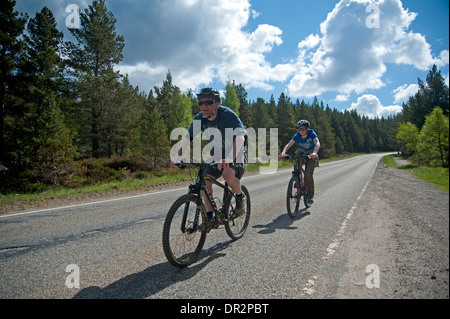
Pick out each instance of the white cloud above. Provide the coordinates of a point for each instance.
(370, 106)
(312, 41)
(264, 38)
(402, 93)
(342, 98)
(204, 41)
(349, 56)
(199, 41)
(443, 58)
(412, 49)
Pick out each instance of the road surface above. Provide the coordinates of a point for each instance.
(112, 249)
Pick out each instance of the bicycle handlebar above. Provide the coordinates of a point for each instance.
(301, 156)
(182, 165)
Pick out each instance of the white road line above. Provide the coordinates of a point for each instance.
(99, 202)
(110, 200)
(90, 203)
(332, 247)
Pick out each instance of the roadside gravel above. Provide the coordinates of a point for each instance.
(401, 228)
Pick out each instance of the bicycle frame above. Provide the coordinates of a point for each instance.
(200, 186)
(298, 167)
(183, 248)
(296, 191)
(300, 172)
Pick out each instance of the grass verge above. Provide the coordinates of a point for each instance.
(131, 184)
(438, 176)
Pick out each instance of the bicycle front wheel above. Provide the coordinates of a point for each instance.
(293, 196)
(236, 224)
(184, 231)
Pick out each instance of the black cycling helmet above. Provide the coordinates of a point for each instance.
(304, 123)
(209, 92)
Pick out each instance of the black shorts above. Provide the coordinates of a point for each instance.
(239, 169)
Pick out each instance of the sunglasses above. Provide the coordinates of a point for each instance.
(302, 129)
(207, 103)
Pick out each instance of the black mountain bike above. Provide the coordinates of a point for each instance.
(186, 224)
(297, 186)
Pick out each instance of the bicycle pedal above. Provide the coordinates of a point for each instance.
(212, 225)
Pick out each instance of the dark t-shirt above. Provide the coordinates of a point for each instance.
(227, 123)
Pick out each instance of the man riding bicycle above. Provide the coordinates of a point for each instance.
(232, 159)
(308, 143)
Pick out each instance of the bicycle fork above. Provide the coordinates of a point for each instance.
(196, 218)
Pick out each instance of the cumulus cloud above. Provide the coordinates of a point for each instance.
(352, 51)
(203, 41)
(370, 106)
(341, 98)
(402, 93)
(199, 41)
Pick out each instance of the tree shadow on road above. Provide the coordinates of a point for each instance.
(153, 279)
(282, 222)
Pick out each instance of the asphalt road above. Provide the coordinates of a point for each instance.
(113, 248)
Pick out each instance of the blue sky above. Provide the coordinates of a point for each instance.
(365, 55)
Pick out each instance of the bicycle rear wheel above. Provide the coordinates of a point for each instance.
(305, 199)
(236, 225)
(293, 196)
(184, 231)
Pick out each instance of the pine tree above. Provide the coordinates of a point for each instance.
(12, 26)
(245, 112)
(41, 72)
(174, 106)
(164, 96)
(98, 49)
(231, 98)
(434, 93)
(439, 91)
(322, 126)
(54, 158)
(42, 51)
(286, 121)
(261, 117)
(156, 145)
(122, 131)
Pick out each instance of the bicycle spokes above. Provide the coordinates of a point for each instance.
(187, 225)
(183, 235)
(237, 221)
(293, 196)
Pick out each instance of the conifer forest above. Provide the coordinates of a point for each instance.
(68, 119)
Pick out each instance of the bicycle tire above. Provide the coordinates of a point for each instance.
(293, 197)
(305, 199)
(237, 226)
(193, 237)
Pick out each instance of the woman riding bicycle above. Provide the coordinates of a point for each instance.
(308, 143)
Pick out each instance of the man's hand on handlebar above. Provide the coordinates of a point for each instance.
(224, 164)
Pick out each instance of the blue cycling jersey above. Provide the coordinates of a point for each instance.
(306, 143)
